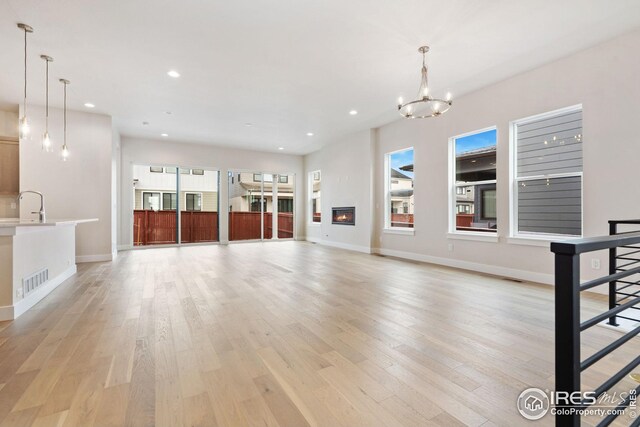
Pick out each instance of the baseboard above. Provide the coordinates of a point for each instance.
(14, 311)
(93, 258)
(124, 247)
(529, 276)
(356, 248)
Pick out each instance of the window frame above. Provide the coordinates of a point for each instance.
(387, 228)
(516, 236)
(311, 179)
(152, 193)
(162, 208)
(453, 232)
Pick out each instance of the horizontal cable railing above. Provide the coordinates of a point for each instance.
(624, 259)
(568, 288)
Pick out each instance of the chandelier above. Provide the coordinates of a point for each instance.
(424, 105)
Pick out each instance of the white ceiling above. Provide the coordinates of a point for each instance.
(287, 66)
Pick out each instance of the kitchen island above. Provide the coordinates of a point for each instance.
(35, 257)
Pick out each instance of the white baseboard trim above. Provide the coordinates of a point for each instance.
(124, 247)
(356, 248)
(93, 258)
(513, 273)
(12, 312)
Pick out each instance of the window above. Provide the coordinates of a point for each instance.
(399, 200)
(185, 171)
(170, 170)
(193, 201)
(197, 171)
(285, 205)
(473, 173)
(314, 192)
(547, 174)
(155, 169)
(257, 177)
(283, 179)
(169, 201)
(151, 201)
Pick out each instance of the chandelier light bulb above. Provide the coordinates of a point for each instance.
(400, 101)
(65, 153)
(448, 97)
(425, 92)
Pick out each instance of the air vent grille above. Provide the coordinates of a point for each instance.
(34, 281)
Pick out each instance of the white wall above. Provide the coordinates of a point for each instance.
(603, 79)
(346, 171)
(8, 124)
(77, 188)
(166, 153)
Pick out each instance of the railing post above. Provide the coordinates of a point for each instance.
(613, 254)
(567, 312)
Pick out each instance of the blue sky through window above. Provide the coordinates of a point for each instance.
(476, 141)
(402, 158)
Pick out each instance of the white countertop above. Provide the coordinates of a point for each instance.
(21, 222)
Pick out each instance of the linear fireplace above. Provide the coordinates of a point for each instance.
(343, 216)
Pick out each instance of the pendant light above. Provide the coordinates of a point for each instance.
(65, 150)
(24, 124)
(46, 140)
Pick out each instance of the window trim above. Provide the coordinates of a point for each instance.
(162, 201)
(515, 236)
(311, 179)
(453, 232)
(387, 228)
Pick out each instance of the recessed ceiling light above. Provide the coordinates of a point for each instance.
(353, 112)
(168, 112)
(145, 123)
(248, 124)
(174, 74)
(309, 133)
(89, 105)
(164, 134)
(280, 148)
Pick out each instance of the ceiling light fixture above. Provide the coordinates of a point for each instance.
(424, 105)
(309, 133)
(65, 149)
(24, 124)
(353, 112)
(280, 148)
(164, 134)
(174, 74)
(46, 140)
(89, 105)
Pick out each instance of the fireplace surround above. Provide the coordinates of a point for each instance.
(343, 215)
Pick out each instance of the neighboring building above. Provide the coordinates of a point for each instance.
(478, 168)
(401, 193)
(245, 189)
(155, 189)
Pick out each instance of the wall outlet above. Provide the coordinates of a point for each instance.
(450, 247)
(595, 263)
(19, 293)
(13, 205)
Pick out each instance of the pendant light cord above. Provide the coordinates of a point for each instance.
(25, 73)
(65, 115)
(46, 119)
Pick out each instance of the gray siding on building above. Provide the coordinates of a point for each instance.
(551, 207)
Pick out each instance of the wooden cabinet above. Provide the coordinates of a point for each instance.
(9, 166)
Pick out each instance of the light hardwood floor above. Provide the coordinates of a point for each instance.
(281, 334)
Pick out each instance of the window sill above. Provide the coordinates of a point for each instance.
(401, 231)
(544, 241)
(478, 237)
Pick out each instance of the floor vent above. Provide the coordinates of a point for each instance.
(34, 281)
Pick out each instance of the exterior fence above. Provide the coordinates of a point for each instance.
(159, 227)
(402, 220)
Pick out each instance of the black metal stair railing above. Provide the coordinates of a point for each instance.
(622, 259)
(568, 327)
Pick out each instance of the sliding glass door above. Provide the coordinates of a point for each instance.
(165, 196)
(260, 203)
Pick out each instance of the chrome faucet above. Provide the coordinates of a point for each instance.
(41, 214)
